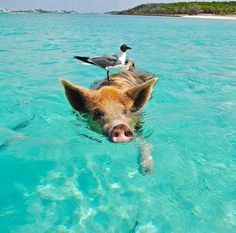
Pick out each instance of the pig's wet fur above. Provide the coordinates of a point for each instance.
(114, 104)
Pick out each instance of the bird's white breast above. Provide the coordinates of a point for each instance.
(122, 57)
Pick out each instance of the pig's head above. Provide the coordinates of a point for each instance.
(111, 108)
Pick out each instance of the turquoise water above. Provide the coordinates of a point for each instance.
(56, 175)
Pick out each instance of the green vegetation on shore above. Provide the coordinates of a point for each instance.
(181, 8)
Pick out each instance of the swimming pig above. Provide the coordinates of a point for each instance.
(114, 103)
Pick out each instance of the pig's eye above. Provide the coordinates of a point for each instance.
(97, 114)
(125, 111)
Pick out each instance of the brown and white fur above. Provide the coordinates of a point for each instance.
(114, 103)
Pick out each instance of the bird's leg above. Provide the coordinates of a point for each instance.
(108, 75)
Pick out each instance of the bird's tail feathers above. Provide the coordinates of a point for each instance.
(84, 59)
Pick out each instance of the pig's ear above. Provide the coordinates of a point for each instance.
(78, 97)
(140, 94)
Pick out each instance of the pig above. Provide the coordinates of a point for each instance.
(115, 103)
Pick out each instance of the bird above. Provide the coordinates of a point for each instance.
(107, 62)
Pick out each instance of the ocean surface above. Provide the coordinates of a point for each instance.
(59, 176)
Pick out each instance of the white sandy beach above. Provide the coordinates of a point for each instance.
(229, 17)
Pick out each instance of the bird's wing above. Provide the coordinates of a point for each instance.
(105, 61)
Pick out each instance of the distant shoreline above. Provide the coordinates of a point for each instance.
(200, 16)
(193, 9)
(228, 17)
(38, 11)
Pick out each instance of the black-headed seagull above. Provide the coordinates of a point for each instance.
(108, 62)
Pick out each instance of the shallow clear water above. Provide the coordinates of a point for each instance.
(56, 175)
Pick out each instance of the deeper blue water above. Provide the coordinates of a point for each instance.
(56, 175)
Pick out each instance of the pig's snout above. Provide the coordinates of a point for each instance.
(121, 133)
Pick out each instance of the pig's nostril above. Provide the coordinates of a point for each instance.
(116, 134)
(128, 133)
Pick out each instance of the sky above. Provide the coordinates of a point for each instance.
(82, 6)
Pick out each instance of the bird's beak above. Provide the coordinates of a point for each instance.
(128, 48)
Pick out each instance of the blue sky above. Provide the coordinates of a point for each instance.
(78, 5)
